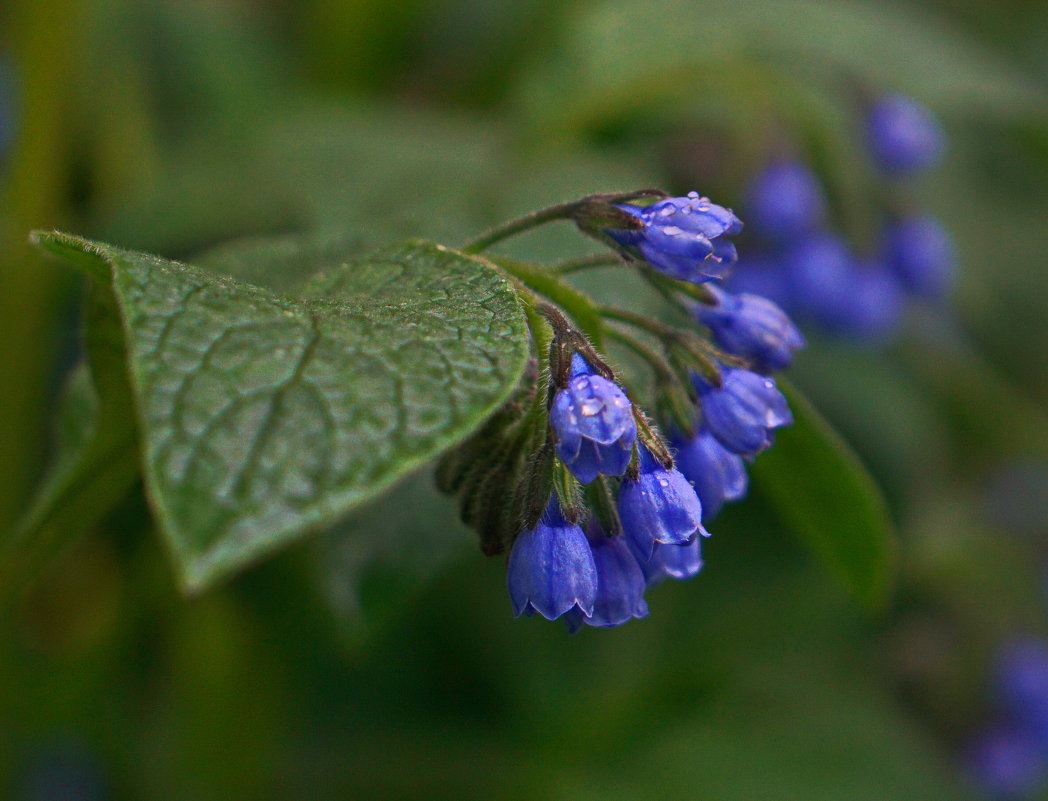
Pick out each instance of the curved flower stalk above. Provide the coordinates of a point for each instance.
(600, 505)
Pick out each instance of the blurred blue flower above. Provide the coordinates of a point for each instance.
(785, 201)
(659, 507)
(921, 254)
(871, 309)
(593, 420)
(717, 474)
(902, 134)
(1021, 682)
(819, 274)
(682, 237)
(753, 327)
(764, 276)
(671, 561)
(1006, 763)
(551, 568)
(620, 584)
(743, 411)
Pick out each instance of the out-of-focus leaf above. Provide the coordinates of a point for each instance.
(620, 57)
(96, 458)
(823, 492)
(264, 416)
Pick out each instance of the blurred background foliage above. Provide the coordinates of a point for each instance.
(175, 125)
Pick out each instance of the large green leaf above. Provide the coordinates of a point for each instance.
(264, 416)
(821, 489)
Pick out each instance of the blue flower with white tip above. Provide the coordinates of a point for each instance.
(593, 420)
(682, 237)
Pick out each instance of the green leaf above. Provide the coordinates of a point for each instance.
(264, 416)
(621, 57)
(95, 462)
(821, 489)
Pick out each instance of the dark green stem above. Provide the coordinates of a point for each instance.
(586, 263)
(562, 211)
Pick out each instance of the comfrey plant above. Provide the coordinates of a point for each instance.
(571, 476)
(253, 410)
(812, 271)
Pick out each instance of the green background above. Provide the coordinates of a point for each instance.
(380, 659)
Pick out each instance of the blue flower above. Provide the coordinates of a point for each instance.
(1021, 678)
(920, 253)
(671, 561)
(1006, 762)
(819, 272)
(742, 412)
(752, 327)
(764, 276)
(902, 135)
(785, 201)
(682, 237)
(717, 474)
(870, 310)
(660, 506)
(620, 584)
(551, 569)
(594, 423)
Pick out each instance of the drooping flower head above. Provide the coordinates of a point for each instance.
(717, 474)
(751, 326)
(785, 201)
(660, 506)
(620, 584)
(682, 237)
(921, 254)
(593, 420)
(551, 569)
(742, 412)
(902, 135)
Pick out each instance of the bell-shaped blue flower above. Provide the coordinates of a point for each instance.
(717, 474)
(902, 135)
(752, 327)
(742, 412)
(593, 420)
(551, 568)
(671, 561)
(620, 584)
(785, 202)
(682, 237)
(660, 506)
(921, 254)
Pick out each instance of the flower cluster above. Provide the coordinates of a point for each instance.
(811, 271)
(608, 506)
